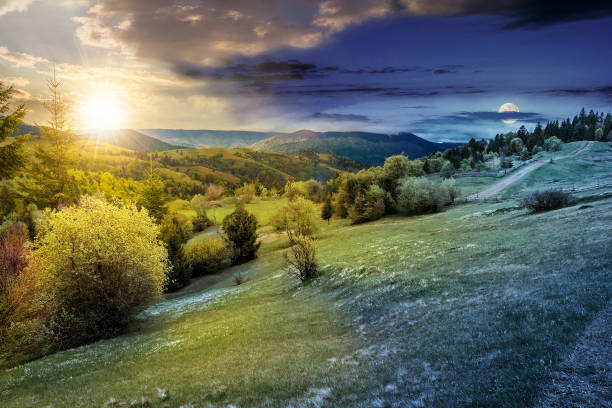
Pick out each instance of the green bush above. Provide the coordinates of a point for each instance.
(240, 230)
(207, 255)
(298, 217)
(419, 196)
(548, 200)
(98, 262)
(301, 259)
(552, 144)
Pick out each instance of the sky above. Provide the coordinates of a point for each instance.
(436, 68)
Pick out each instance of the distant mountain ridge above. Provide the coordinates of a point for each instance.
(206, 138)
(363, 147)
(131, 139)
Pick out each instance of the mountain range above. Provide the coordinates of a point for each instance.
(367, 148)
(363, 147)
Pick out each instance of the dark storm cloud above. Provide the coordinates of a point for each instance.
(602, 90)
(212, 32)
(464, 118)
(262, 69)
(522, 13)
(339, 117)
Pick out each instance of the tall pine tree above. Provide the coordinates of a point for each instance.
(11, 154)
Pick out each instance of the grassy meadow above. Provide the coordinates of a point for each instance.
(474, 306)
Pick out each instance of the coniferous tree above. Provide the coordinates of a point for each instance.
(240, 230)
(11, 155)
(50, 181)
(327, 211)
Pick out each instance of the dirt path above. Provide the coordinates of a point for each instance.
(513, 177)
(584, 377)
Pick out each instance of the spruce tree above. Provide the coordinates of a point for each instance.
(240, 230)
(327, 211)
(11, 155)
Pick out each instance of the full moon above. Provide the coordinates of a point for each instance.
(508, 107)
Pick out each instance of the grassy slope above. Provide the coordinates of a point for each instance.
(474, 306)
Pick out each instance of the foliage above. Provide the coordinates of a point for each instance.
(419, 196)
(214, 192)
(552, 144)
(301, 262)
(298, 217)
(11, 151)
(201, 220)
(98, 261)
(240, 230)
(207, 255)
(49, 171)
(175, 230)
(548, 200)
(516, 145)
(327, 211)
(246, 192)
(447, 170)
(153, 199)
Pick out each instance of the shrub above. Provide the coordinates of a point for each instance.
(214, 192)
(240, 229)
(298, 217)
(552, 144)
(98, 262)
(302, 260)
(201, 221)
(536, 149)
(548, 200)
(419, 196)
(207, 255)
(246, 192)
(447, 170)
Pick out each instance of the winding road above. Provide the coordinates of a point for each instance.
(513, 177)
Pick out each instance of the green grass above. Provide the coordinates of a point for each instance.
(262, 208)
(475, 306)
(587, 168)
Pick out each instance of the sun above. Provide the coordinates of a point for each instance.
(103, 109)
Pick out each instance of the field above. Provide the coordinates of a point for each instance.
(480, 305)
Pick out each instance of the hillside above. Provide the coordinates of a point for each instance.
(369, 148)
(131, 139)
(484, 304)
(188, 171)
(205, 138)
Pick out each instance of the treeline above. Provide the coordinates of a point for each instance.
(592, 126)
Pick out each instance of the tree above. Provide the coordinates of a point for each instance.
(50, 172)
(240, 230)
(516, 145)
(175, 230)
(328, 210)
(447, 170)
(11, 154)
(201, 220)
(298, 217)
(153, 199)
(553, 144)
(98, 262)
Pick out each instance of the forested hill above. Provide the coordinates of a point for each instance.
(204, 138)
(369, 148)
(131, 139)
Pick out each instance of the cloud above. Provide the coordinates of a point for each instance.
(20, 59)
(339, 117)
(465, 118)
(9, 6)
(14, 81)
(602, 90)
